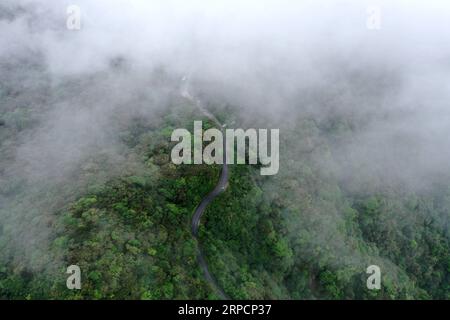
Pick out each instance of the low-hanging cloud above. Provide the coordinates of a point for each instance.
(277, 60)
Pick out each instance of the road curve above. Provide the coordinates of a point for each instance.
(198, 213)
(218, 189)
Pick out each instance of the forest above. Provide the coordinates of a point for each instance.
(86, 176)
(301, 234)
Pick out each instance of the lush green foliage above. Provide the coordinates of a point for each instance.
(300, 234)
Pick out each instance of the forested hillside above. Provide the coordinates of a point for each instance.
(124, 218)
(86, 178)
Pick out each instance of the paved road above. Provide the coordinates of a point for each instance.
(218, 189)
(198, 213)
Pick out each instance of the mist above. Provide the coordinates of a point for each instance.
(273, 63)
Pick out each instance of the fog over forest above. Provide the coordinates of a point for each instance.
(272, 64)
(263, 57)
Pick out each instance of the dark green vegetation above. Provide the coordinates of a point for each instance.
(125, 219)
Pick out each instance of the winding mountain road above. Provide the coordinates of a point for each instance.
(218, 189)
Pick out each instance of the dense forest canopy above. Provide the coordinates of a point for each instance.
(85, 139)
